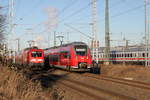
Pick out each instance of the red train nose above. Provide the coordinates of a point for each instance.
(82, 58)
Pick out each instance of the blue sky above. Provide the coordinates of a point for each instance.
(126, 16)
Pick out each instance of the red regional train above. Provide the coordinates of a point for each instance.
(31, 57)
(74, 56)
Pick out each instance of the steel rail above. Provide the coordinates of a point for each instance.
(77, 86)
(133, 83)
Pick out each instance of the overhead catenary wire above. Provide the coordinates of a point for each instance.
(70, 4)
(127, 11)
(83, 8)
(112, 6)
(76, 12)
(69, 16)
(61, 12)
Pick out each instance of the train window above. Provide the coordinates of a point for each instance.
(116, 55)
(36, 54)
(66, 55)
(50, 58)
(143, 55)
(81, 50)
(54, 58)
(130, 54)
(110, 55)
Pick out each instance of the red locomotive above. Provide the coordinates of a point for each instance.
(32, 57)
(74, 56)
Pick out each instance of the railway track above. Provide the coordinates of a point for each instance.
(133, 83)
(127, 82)
(90, 90)
(138, 90)
(79, 87)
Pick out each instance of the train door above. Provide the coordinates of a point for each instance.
(64, 58)
(113, 57)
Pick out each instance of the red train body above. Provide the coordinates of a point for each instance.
(75, 56)
(32, 57)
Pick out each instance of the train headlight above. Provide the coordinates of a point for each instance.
(33, 60)
(40, 60)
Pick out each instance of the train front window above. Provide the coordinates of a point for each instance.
(81, 50)
(36, 54)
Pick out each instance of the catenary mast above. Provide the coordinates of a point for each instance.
(94, 42)
(147, 63)
(107, 36)
(10, 16)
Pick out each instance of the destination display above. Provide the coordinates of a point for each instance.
(80, 49)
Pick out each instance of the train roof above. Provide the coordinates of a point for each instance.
(72, 43)
(124, 48)
(34, 47)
